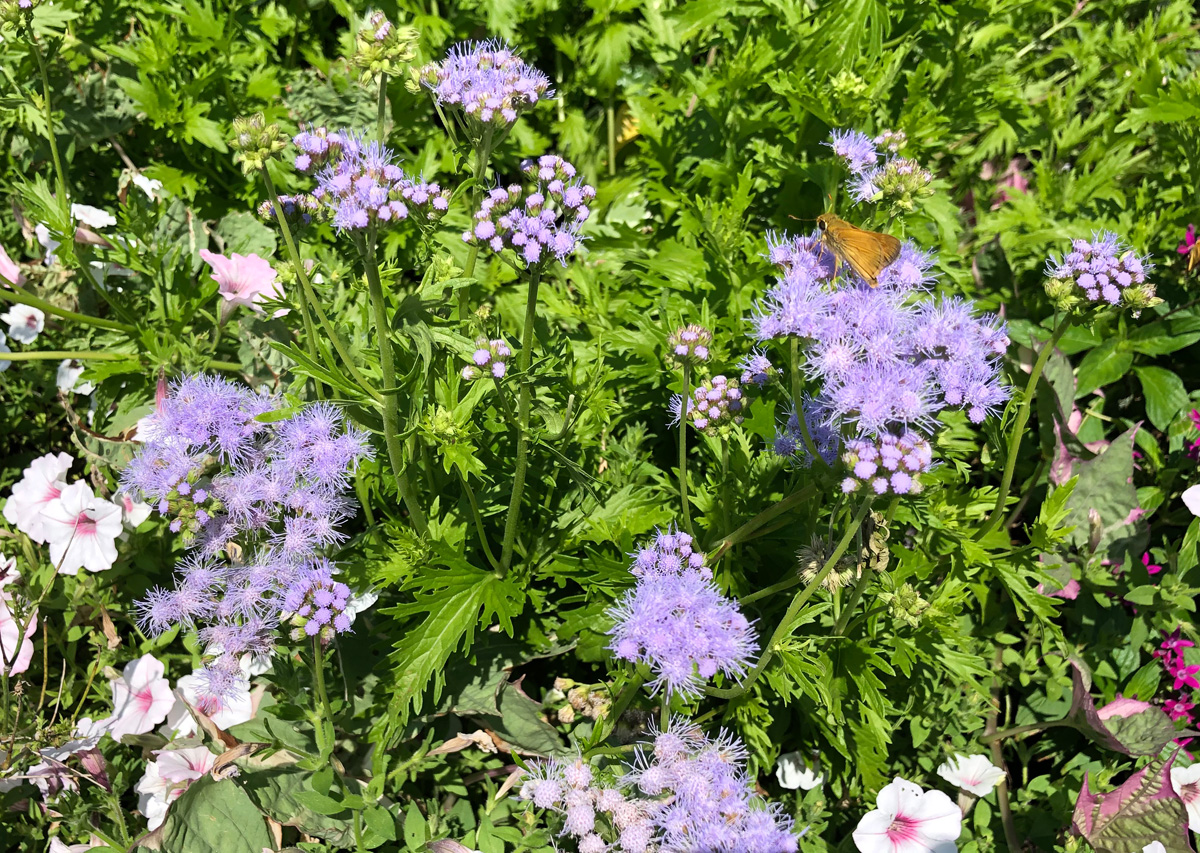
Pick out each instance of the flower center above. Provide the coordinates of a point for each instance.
(144, 700)
(902, 829)
(85, 525)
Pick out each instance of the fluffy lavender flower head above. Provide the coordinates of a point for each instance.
(316, 147)
(490, 358)
(715, 406)
(789, 439)
(362, 186)
(891, 140)
(429, 199)
(540, 221)
(487, 83)
(887, 464)
(899, 179)
(677, 622)
(317, 604)
(1103, 271)
(855, 148)
(757, 369)
(798, 303)
(689, 344)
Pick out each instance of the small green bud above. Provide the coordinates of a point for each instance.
(255, 142)
(383, 47)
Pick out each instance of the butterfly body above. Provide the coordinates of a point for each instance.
(868, 253)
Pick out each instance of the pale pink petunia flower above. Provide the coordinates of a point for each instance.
(141, 698)
(10, 270)
(82, 530)
(25, 323)
(223, 711)
(167, 777)
(41, 483)
(1186, 782)
(243, 279)
(14, 656)
(974, 774)
(907, 819)
(133, 513)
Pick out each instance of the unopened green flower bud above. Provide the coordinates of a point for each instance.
(17, 13)
(383, 47)
(255, 142)
(905, 604)
(1062, 293)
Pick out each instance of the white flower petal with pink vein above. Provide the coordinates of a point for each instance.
(82, 530)
(1186, 782)
(907, 819)
(16, 656)
(25, 323)
(141, 697)
(41, 483)
(974, 774)
(224, 712)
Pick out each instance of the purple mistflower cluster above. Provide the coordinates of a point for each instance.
(316, 147)
(487, 82)
(317, 603)
(537, 222)
(883, 358)
(1102, 270)
(757, 369)
(362, 185)
(689, 344)
(887, 463)
(257, 502)
(715, 406)
(683, 792)
(298, 209)
(789, 438)
(677, 622)
(898, 178)
(490, 358)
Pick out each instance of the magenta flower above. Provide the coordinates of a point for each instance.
(1173, 645)
(1151, 568)
(1184, 675)
(243, 279)
(1179, 709)
(1189, 241)
(907, 819)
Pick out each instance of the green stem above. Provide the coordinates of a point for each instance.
(58, 355)
(22, 297)
(323, 710)
(358, 841)
(524, 401)
(391, 403)
(119, 814)
(798, 398)
(1020, 730)
(856, 594)
(624, 699)
(483, 153)
(747, 530)
(479, 528)
(789, 618)
(383, 80)
(610, 114)
(64, 199)
(225, 365)
(766, 592)
(1018, 431)
(309, 296)
(684, 399)
(725, 483)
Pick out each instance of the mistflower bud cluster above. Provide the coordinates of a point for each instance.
(811, 560)
(316, 604)
(899, 180)
(258, 503)
(316, 147)
(683, 791)
(540, 221)
(489, 359)
(362, 185)
(298, 209)
(892, 140)
(486, 84)
(382, 47)
(714, 407)
(255, 142)
(887, 464)
(1101, 271)
(17, 12)
(677, 622)
(689, 344)
(789, 438)
(757, 369)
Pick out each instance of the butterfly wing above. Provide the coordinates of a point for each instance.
(867, 252)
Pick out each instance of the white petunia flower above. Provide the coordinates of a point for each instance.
(1186, 782)
(151, 187)
(92, 217)
(41, 483)
(907, 819)
(25, 323)
(794, 772)
(974, 774)
(82, 530)
(142, 698)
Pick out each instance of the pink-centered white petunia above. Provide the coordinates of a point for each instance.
(168, 777)
(1186, 782)
(907, 819)
(223, 711)
(974, 774)
(92, 217)
(142, 698)
(41, 483)
(25, 323)
(82, 530)
(10, 271)
(243, 279)
(793, 772)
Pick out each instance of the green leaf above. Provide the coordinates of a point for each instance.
(1165, 393)
(246, 235)
(1144, 682)
(1142, 810)
(215, 817)
(1104, 485)
(1105, 364)
(381, 822)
